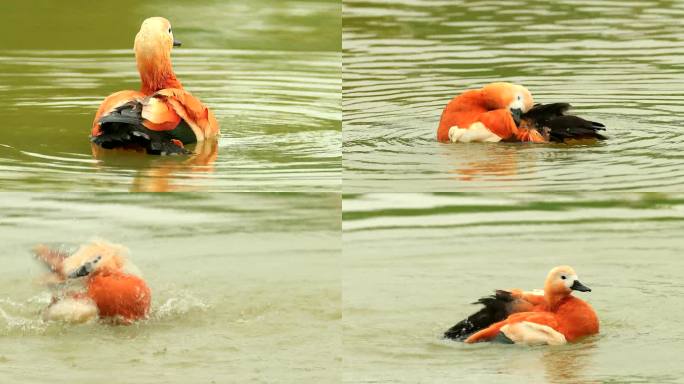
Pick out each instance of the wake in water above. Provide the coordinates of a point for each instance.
(178, 305)
(22, 318)
(26, 317)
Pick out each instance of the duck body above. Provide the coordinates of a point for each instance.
(507, 112)
(487, 115)
(119, 295)
(495, 308)
(107, 290)
(162, 117)
(109, 295)
(553, 317)
(157, 123)
(570, 320)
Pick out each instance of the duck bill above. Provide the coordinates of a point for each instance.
(516, 113)
(577, 286)
(176, 43)
(84, 270)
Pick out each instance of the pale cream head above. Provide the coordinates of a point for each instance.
(561, 281)
(155, 37)
(95, 256)
(507, 95)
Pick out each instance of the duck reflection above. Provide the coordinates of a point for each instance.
(569, 365)
(161, 173)
(479, 161)
(563, 364)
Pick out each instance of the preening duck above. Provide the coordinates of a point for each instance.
(551, 317)
(162, 117)
(507, 112)
(111, 291)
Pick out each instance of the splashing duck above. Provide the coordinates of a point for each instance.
(551, 317)
(507, 112)
(112, 291)
(162, 117)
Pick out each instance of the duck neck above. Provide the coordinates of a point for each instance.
(156, 72)
(105, 271)
(553, 300)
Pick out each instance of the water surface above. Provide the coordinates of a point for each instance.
(618, 62)
(270, 71)
(245, 288)
(413, 263)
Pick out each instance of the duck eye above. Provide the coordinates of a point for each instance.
(519, 97)
(563, 277)
(169, 30)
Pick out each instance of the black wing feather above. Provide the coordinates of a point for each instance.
(496, 308)
(123, 128)
(551, 120)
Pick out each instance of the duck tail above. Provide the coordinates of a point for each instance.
(556, 126)
(564, 128)
(123, 128)
(53, 258)
(496, 308)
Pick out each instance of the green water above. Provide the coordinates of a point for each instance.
(272, 80)
(245, 288)
(413, 263)
(618, 62)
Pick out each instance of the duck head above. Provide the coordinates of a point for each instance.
(560, 282)
(153, 45)
(94, 257)
(513, 97)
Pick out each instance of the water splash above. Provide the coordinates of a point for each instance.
(179, 305)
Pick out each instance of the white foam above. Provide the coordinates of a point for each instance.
(71, 310)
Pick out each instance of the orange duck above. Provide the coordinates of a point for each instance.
(506, 112)
(553, 317)
(112, 290)
(162, 117)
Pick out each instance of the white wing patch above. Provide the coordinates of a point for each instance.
(71, 310)
(535, 292)
(476, 133)
(530, 333)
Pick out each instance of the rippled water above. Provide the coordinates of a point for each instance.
(233, 276)
(413, 263)
(270, 71)
(618, 62)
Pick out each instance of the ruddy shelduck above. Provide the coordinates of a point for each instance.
(111, 289)
(550, 317)
(162, 117)
(507, 112)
